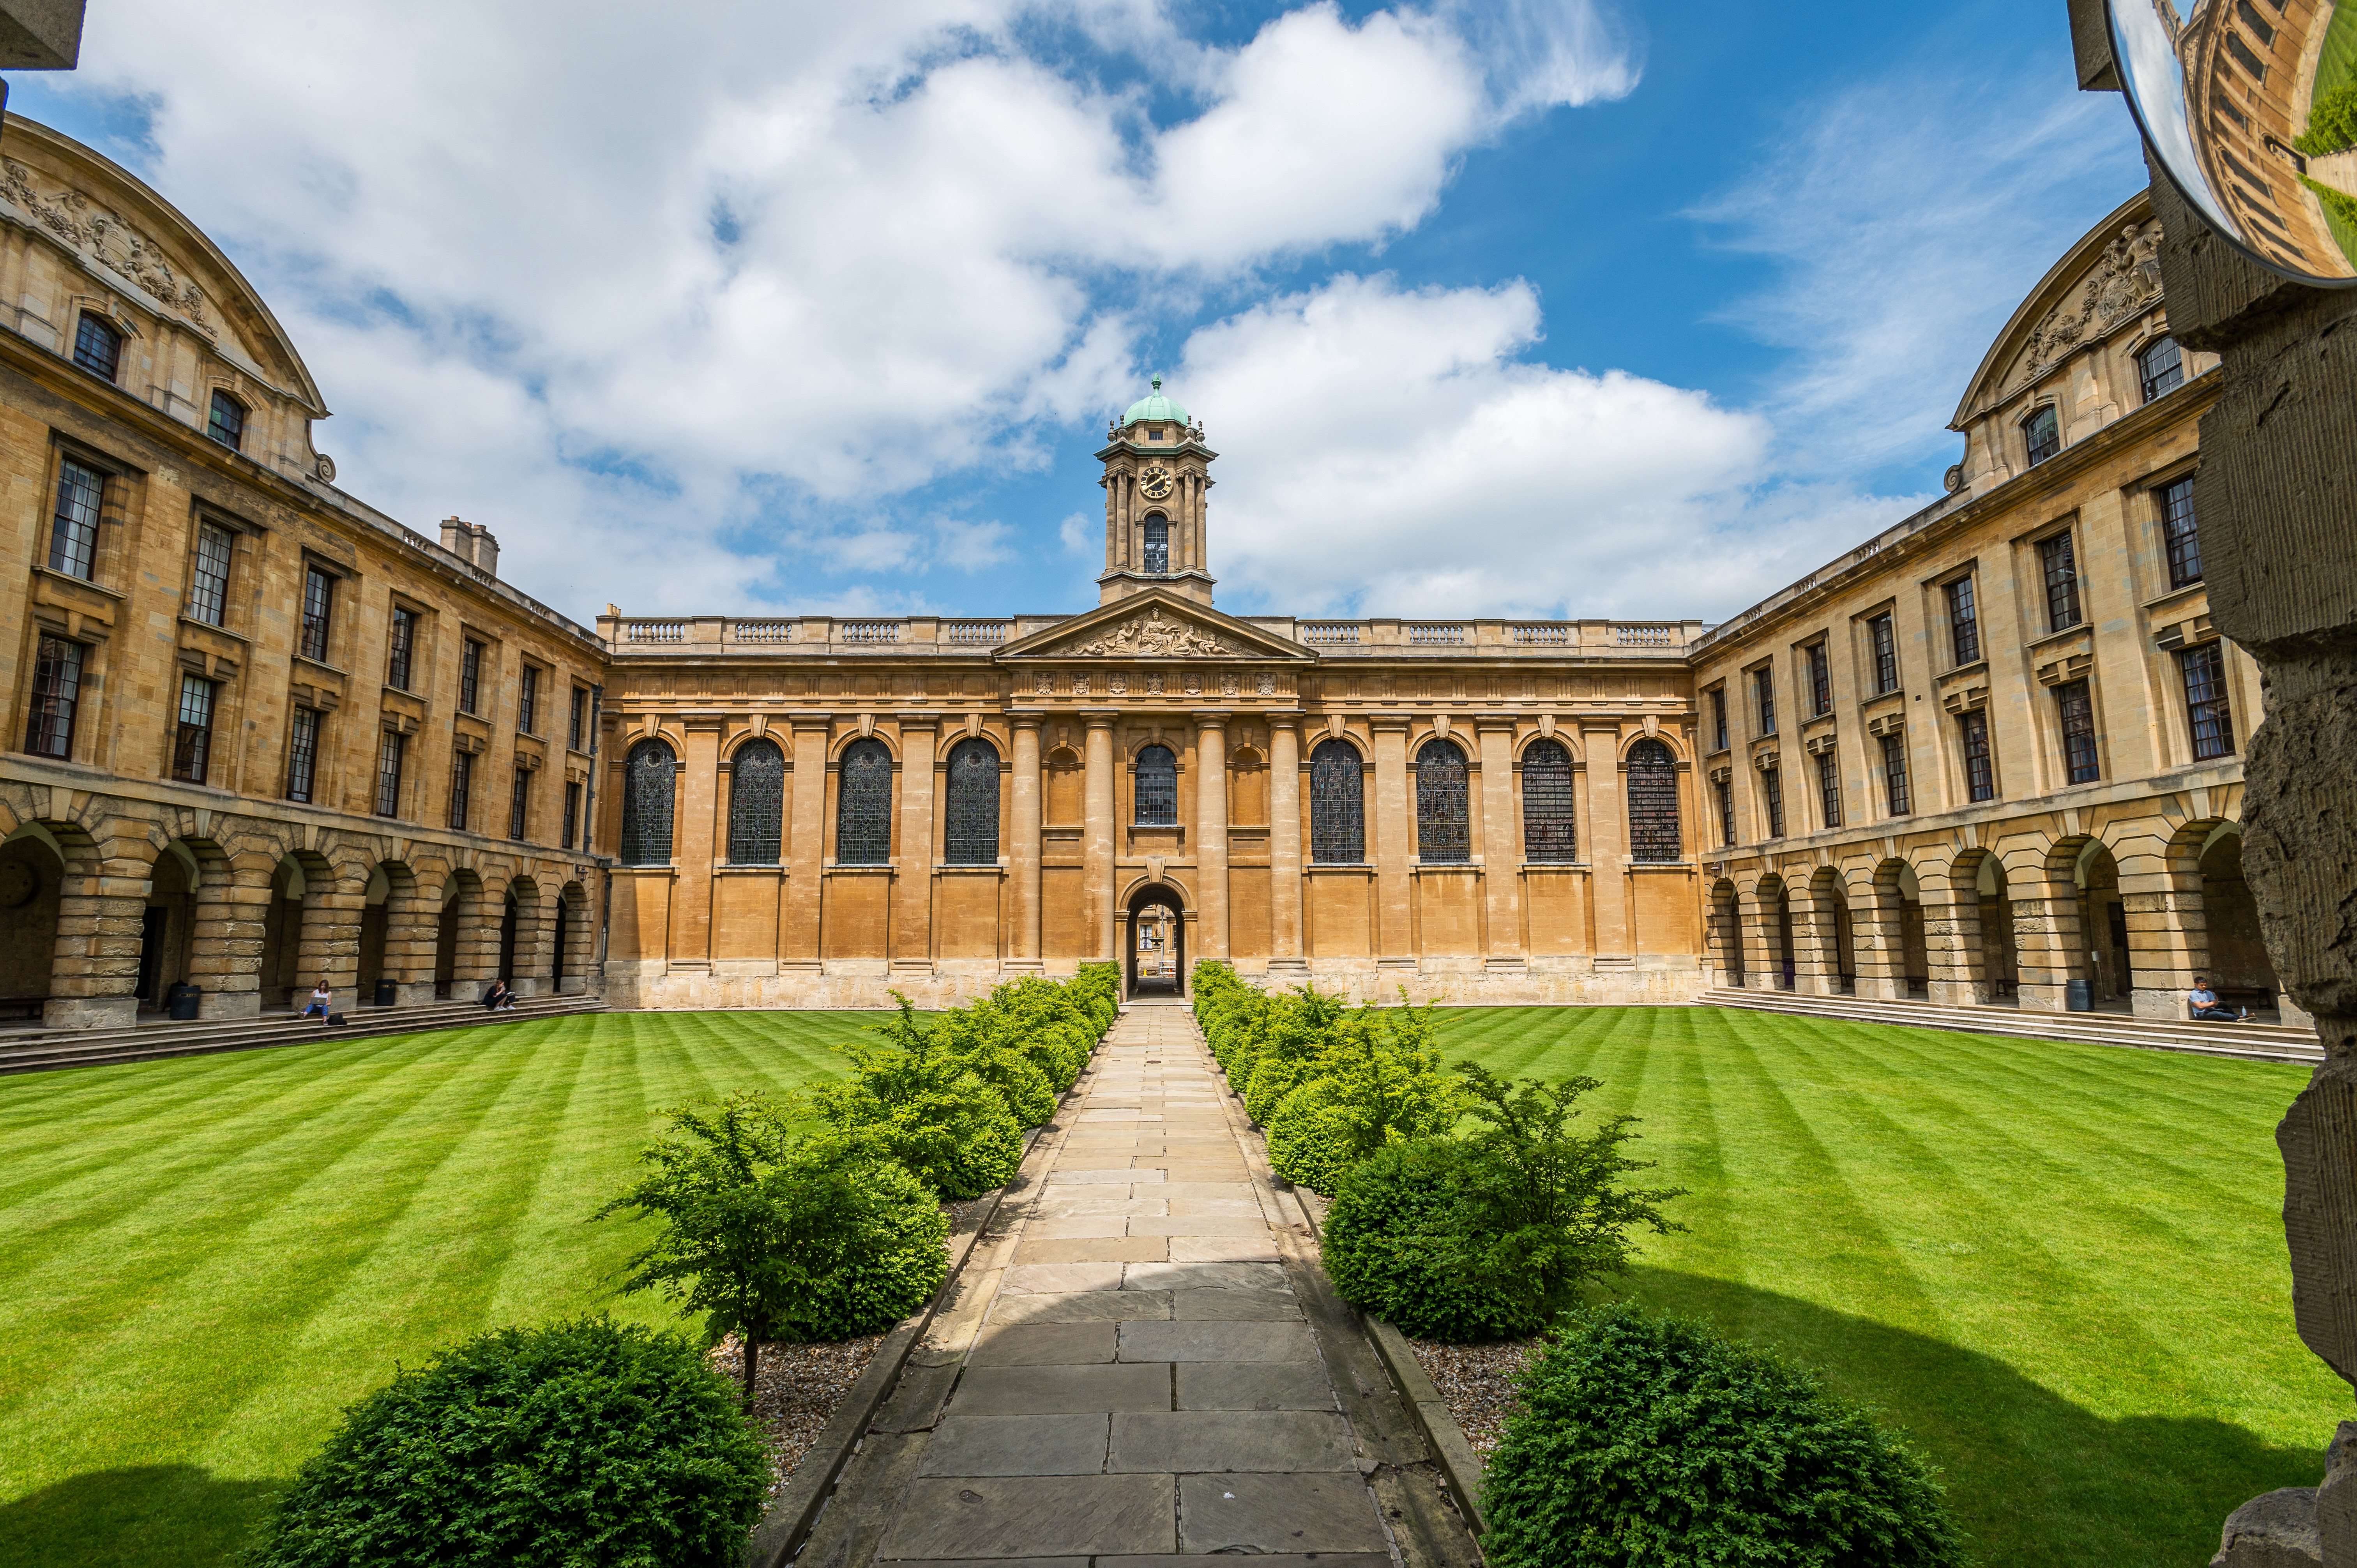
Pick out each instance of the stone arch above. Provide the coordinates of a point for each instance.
(102, 902)
(2048, 943)
(576, 937)
(168, 923)
(1153, 939)
(1725, 934)
(2107, 956)
(466, 936)
(1993, 890)
(1824, 956)
(1887, 917)
(32, 885)
(528, 937)
(2158, 862)
(1952, 928)
(1767, 934)
(411, 945)
(2239, 966)
(842, 744)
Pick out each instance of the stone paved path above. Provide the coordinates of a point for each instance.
(1127, 1377)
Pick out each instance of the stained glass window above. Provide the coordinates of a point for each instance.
(1441, 834)
(1653, 802)
(1157, 787)
(971, 837)
(650, 777)
(2206, 711)
(1337, 804)
(1549, 835)
(757, 804)
(863, 805)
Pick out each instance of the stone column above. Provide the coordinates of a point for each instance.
(1952, 939)
(225, 953)
(1607, 841)
(1763, 943)
(912, 880)
(1285, 875)
(1097, 830)
(1393, 829)
(1501, 860)
(330, 946)
(1878, 929)
(798, 933)
(2169, 932)
(102, 905)
(1817, 960)
(536, 945)
(699, 810)
(1023, 848)
(2046, 942)
(412, 921)
(475, 958)
(1211, 833)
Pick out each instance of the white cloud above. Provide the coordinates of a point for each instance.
(1080, 534)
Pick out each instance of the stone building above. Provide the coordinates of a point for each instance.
(257, 733)
(1997, 748)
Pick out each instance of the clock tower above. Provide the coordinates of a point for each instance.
(1157, 474)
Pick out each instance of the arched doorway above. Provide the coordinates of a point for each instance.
(374, 915)
(1915, 951)
(1726, 934)
(282, 933)
(167, 924)
(2000, 957)
(459, 895)
(510, 913)
(2104, 926)
(1157, 942)
(32, 879)
(2239, 969)
(1787, 977)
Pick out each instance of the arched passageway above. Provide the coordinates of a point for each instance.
(168, 925)
(1156, 943)
(32, 879)
(1915, 951)
(282, 933)
(2000, 954)
(1726, 934)
(375, 917)
(2238, 967)
(1788, 965)
(2104, 926)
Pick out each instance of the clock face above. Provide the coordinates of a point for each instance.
(1155, 483)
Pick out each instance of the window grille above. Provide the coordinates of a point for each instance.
(401, 648)
(527, 699)
(462, 788)
(2042, 431)
(2161, 367)
(97, 348)
(1771, 792)
(1963, 623)
(520, 805)
(1980, 776)
(2206, 712)
(303, 754)
(1719, 718)
(226, 423)
(57, 690)
(572, 815)
(1337, 804)
(470, 676)
(1442, 835)
(209, 581)
(1727, 812)
(73, 529)
(1821, 680)
(1653, 803)
(650, 777)
(1763, 696)
(862, 807)
(971, 836)
(578, 720)
(1886, 654)
(390, 752)
(1829, 791)
(318, 603)
(2078, 715)
(1550, 833)
(1894, 774)
(2059, 564)
(1158, 542)
(757, 804)
(1156, 789)
(192, 746)
(2182, 537)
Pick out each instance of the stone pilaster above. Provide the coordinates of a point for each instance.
(1816, 956)
(1392, 830)
(225, 953)
(331, 948)
(697, 852)
(1285, 842)
(1023, 847)
(2046, 942)
(1212, 834)
(912, 883)
(1763, 941)
(1878, 928)
(413, 919)
(2169, 936)
(798, 934)
(101, 904)
(1608, 839)
(1952, 939)
(1501, 860)
(536, 945)
(1097, 831)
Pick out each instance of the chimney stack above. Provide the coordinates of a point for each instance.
(473, 543)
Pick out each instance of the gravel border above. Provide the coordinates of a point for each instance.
(1476, 1383)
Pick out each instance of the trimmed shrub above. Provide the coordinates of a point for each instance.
(884, 1231)
(1393, 1245)
(1651, 1440)
(583, 1442)
(1375, 1078)
(927, 1109)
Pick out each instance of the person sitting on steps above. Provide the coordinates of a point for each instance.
(322, 996)
(2208, 1009)
(499, 998)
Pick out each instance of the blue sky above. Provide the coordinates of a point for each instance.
(1560, 308)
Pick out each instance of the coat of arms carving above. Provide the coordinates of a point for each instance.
(1151, 636)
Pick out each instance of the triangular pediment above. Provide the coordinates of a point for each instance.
(1155, 625)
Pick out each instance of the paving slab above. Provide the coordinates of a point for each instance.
(1046, 1345)
(1031, 1515)
(1083, 1306)
(1058, 1279)
(1077, 1201)
(1223, 1249)
(1122, 1178)
(1018, 1446)
(1062, 1390)
(1261, 1385)
(1230, 1306)
(1249, 1514)
(1251, 1226)
(1241, 1343)
(1202, 1276)
(1281, 1441)
(1094, 1250)
(1053, 1227)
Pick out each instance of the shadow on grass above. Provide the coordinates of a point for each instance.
(157, 1515)
(2031, 1476)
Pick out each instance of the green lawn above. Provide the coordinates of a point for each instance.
(2060, 1267)
(202, 1261)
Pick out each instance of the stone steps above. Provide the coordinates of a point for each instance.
(42, 1050)
(2253, 1042)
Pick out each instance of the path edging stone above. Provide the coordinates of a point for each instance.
(1459, 1461)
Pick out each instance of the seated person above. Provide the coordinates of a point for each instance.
(2207, 1007)
(499, 998)
(322, 996)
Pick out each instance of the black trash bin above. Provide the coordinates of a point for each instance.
(385, 994)
(2078, 997)
(182, 1000)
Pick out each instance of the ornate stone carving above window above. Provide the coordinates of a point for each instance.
(1152, 635)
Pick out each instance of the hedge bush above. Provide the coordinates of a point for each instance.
(927, 1108)
(1394, 1245)
(1648, 1441)
(579, 1443)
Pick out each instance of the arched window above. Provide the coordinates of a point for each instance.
(650, 776)
(972, 836)
(1653, 802)
(2161, 368)
(1549, 837)
(1337, 805)
(1441, 837)
(2042, 431)
(863, 805)
(757, 804)
(226, 423)
(1157, 787)
(98, 347)
(1158, 542)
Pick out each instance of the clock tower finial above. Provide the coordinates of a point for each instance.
(1157, 475)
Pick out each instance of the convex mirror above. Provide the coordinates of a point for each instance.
(2251, 107)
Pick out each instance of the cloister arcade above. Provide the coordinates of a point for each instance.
(2134, 912)
(108, 905)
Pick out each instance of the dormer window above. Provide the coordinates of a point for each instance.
(1158, 542)
(98, 347)
(227, 424)
(2043, 431)
(2161, 368)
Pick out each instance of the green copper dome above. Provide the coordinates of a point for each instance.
(1153, 405)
